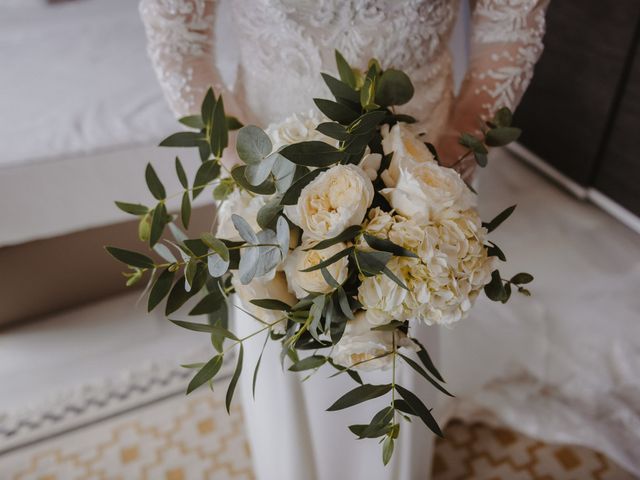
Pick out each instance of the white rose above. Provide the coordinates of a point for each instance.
(361, 344)
(241, 203)
(428, 190)
(335, 200)
(301, 283)
(260, 288)
(298, 128)
(408, 151)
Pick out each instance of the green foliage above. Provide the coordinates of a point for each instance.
(234, 379)
(128, 257)
(345, 71)
(205, 374)
(501, 217)
(153, 182)
(358, 395)
(132, 208)
(393, 88)
(419, 409)
(160, 289)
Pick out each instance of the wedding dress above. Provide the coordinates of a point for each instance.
(265, 57)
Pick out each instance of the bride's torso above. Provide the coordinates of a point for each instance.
(285, 44)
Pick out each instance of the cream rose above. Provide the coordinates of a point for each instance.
(241, 203)
(361, 344)
(298, 128)
(260, 288)
(301, 283)
(335, 200)
(427, 190)
(408, 151)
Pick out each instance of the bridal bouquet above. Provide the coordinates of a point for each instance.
(340, 232)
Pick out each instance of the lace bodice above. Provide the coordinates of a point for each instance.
(283, 45)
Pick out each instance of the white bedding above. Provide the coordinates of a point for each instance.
(76, 79)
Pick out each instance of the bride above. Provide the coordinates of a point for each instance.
(280, 47)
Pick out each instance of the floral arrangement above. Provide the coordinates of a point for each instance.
(340, 232)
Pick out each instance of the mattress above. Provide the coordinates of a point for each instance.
(81, 114)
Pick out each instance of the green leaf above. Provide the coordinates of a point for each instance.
(348, 234)
(238, 174)
(222, 190)
(495, 289)
(216, 245)
(495, 251)
(309, 363)
(182, 176)
(472, 143)
(233, 123)
(419, 409)
(345, 71)
(182, 139)
(216, 265)
(205, 327)
(219, 136)
(158, 221)
(503, 117)
(293, 193)
(253, 144)
(340, 89)
(336, 111)
(207, 172)
(361, 393)
(343, 302)
(387, 450)
(313, 153)
(522, 278)
(213, 302)
(333, 130)
(501, 217)
(185, 210)
(234, 380)
(424, 357)
(367, 94)
(206, 373)
(132, 208)
(271, 304)
(367, 122)
(192, 121)
(498, 137)
(385, 245)
(160, 289)
(372, 263)
(268, 214)
(285, 173)
(244, 229)
(258, 173)
(283, 236)
(179, 296)
(393, 88)
(208, 104)
(153, 182)
(424, 374)
(481, 159)
(255, 370)
(131, 258)
(332, 282)
(329, 261)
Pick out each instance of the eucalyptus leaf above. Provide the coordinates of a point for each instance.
(253, 144)
(358, 395)
(160, 289)
(495, 288)
(522, 278)
(283, 235)
(205, 327)
(387, 450)
(309, 363)
(501, 217)
(219, 136)
(293, 193)
(348, 234)
(153, 182)
(271, 304)
(182, 176)
(424, 357)
(207, 172)
(393, 88)
(333, 130)
(336, 111)
(313, 153)
(164, 252)
(503, 117)
(206, 109)
(385, 245)
(284, 173)
(238, 174)
(419, 409)
(192, 121)
(244, 229)
(248, 266)
(179, 296)
(132, 208)
(216, 245)
(234, 379)
(185, 210)
(500, 136)
(257, 367)
(367, 122)
(344, 70)
(206, 373)
(131, 258)
(413, 364)
(329, 261)
(182, 139)
(257, 173)
(217, 265)
(158, 221)
(340, 89)
(211, 303)
(269, 213)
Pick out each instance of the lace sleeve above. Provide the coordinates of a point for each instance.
(506, 42)
(181, 47)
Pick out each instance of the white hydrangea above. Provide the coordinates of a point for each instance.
(442, 283)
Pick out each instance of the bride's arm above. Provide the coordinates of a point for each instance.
(181, 46)
(506, 42)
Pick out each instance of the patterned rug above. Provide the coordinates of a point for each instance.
(193, 438)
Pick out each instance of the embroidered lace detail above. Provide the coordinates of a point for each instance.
(506, 44)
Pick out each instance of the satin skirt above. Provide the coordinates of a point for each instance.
(293, 437)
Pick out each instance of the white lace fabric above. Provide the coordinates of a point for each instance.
(284, 44)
